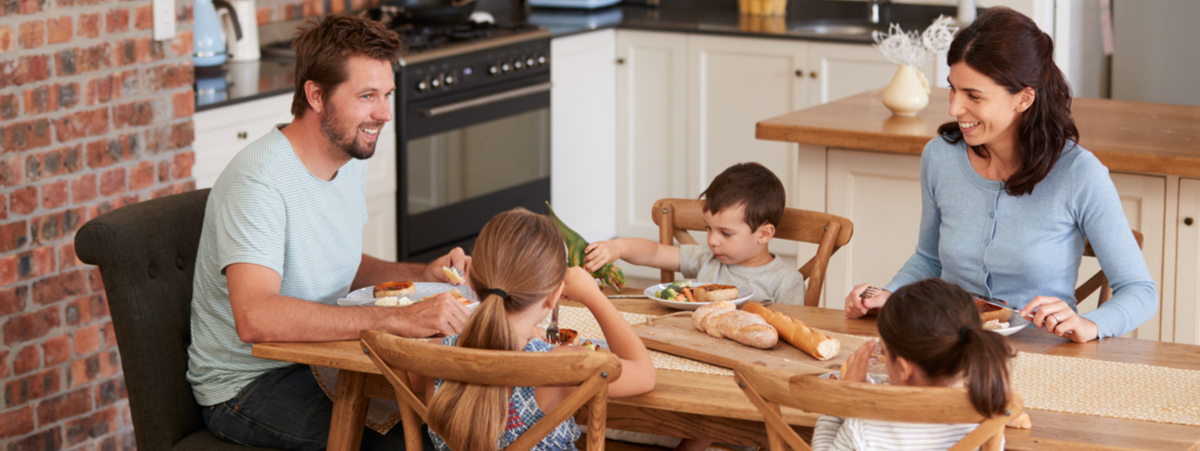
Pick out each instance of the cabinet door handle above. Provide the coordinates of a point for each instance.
(620, 60)
(812, 74)
(242, 135)
(1188, 220)
(800, 73)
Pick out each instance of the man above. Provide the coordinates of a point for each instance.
(282, 241)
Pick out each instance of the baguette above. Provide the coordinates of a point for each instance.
(811, 341)
(723, 320)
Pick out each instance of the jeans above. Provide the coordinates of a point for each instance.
(286, 409)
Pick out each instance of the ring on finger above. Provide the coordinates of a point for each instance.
(1056, 318)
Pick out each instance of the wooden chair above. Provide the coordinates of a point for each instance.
(769, 388)
(676, 216)
(1099, 281)
(590, 370)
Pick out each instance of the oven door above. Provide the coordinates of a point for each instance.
(466, 157)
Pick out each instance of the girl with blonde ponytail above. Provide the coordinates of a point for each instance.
(519, 267)
(932, 336)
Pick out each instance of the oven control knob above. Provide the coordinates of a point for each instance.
(518, 64)
(493, 70)
(541, 59)
(505, 67)
(530, 62)
(435, 83)
(449, 80)
(422, 85)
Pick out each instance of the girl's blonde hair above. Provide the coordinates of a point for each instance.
(521, 253)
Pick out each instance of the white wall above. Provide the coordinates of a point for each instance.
(1156, 57)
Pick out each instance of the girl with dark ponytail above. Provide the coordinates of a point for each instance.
(1008, 196)
(519, 266)
(932, 336)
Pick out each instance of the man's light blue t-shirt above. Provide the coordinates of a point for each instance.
(267, 209)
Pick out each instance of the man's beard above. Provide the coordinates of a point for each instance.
(347, 144)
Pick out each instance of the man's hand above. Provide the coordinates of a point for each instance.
(457, 259)
(441, 315)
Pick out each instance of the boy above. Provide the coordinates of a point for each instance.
(742, 207)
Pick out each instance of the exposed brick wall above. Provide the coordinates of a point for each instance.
(94, 115)
(284, 10)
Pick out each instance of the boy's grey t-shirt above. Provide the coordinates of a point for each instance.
(267, 209)
(774, 280)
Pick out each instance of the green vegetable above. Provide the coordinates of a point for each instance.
(610, 274)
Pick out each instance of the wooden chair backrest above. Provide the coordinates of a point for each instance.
(677, 216)
(590, 370)
(770, 388)
(1099, 281)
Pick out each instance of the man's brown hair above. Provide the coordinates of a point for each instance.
(751, 185)
(323, 48)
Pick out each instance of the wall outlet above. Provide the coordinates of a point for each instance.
(164, 20)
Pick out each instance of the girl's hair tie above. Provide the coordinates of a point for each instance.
(963, 338)
(498, 292)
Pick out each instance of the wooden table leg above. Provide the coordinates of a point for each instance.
(349, 412)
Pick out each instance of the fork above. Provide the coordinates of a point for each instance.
(868, 293)
(552, 329)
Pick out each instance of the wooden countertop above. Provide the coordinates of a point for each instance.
(1125, 136)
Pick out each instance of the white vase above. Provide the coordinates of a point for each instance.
(908, 93)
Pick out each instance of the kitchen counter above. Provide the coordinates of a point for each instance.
(245, 81)
(1125, 136)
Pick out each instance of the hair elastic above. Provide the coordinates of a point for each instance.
(498, 292)
(963, 338)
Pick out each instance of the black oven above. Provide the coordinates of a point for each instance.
(474, 140)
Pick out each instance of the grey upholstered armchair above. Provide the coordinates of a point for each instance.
(147, 253)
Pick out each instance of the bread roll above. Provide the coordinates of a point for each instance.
(395, 289)
(723, 320)
(988, 312)
(811, 341)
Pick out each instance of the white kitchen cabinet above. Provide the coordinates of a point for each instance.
(732, 84)
(583, 152)
(881, 194)
(651, 130)
(1187, 278)
(842, 70)
(223, 132)
(1143, 198)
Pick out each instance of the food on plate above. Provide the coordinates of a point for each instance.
(994, 324)
(811, 341)
(454, 274)
(675, 291)
(715, 293)
(393, 301)
(395, 289)
(590, 345)
(723, 320)
(454, 293)
(609, 274)
(565, 337)
(988, 312)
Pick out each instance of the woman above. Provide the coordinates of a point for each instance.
(1008, 197)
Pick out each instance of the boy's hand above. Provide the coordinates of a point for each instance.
(581, 287)
(601, 253)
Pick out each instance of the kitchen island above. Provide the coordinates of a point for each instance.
(859, 161)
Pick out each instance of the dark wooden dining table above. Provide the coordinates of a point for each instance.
(691, 405)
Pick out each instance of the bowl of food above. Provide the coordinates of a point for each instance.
(403, 294)
(688, 295)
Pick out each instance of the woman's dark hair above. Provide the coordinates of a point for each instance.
(1008, 47)
(934, 324)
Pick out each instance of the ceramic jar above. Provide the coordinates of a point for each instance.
(908, 92)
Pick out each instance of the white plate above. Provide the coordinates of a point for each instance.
(1015, 324)
(366, 295)
(743, 294)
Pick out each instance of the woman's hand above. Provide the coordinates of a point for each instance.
(581, 287)
(856, 366)
(856, 306)
(601, 253)
(1058, 318)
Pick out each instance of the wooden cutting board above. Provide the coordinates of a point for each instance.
(675, 335)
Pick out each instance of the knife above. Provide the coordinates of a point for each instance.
(628, 296)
